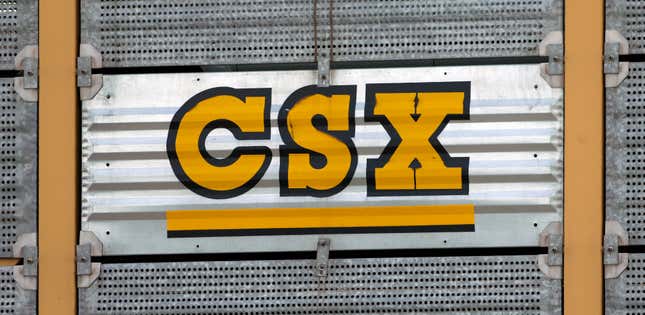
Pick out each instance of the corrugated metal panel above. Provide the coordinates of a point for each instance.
(513, 140)
(18, 28)
(628, 18)
(13, 299)
(207, 32)
(448, 285)
(625, 153)
(18, 157)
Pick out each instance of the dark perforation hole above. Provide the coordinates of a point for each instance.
(535, 155)
(107, 232)
(445, 241)
(445, 73)
(535, 224)
(197, 246)
(107, 164)
(535, 86)
(108, 96)
(198, 79)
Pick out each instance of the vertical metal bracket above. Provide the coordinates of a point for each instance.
(615, 261)
(89, 84)
(323, 42)
(615, 70)
(322, 257)
(26, 275)
(86, 271)
(27, 85)
(551, 262)
(552, 71)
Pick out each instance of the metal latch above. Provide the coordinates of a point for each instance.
(27, 85)
(552, 71)
(615, 262)
(615, 70)
(26, 275)
(87, 271)
(88, 83)
(322, 257)
(551, 262)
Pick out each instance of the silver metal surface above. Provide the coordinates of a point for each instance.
(625, 153)
(13, 299)
(513, 139)
(446, 285)
(208, 32)
(625, 295)
(18, 28)
(628, 18)
(18, 163)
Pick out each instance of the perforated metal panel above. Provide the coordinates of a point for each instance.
(625, 295)
(196, 32)
(18, 28)
(13, 299)
(625, 153)
(472, 285)
(628, 17)
(17, 167)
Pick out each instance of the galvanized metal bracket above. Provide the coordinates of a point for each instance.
(89, 84)
(27, 85)
(615, 261)
(26, 275)
(615, 70)
(324, 43)
(87, 271)
(553, 71)
(322, 257)
(551, 263)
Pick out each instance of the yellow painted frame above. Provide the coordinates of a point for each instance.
(583, 156)
(59, 153)
(58, 156)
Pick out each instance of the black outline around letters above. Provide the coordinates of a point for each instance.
(370, 101)
(291, 146)
(234, 129)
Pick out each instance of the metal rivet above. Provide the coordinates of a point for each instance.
(30, 260)
(83, 259)
(610, 249)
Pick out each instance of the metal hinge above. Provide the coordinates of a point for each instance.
(551, 262)
(88, 83)
(615, 70)
(26, 275)
(552, 71)
(615, 261)
(322, 257)
(87, 271)
(27, 85)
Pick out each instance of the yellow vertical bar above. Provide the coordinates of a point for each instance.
(583, 157)
(57, 156)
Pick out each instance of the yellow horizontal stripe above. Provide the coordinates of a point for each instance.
(277, 218)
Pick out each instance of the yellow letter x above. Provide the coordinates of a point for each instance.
(414, 162)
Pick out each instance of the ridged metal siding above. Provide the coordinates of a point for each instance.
(447, 285)
(513, 139)
(208, 32)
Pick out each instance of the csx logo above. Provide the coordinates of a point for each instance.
(317, 125)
